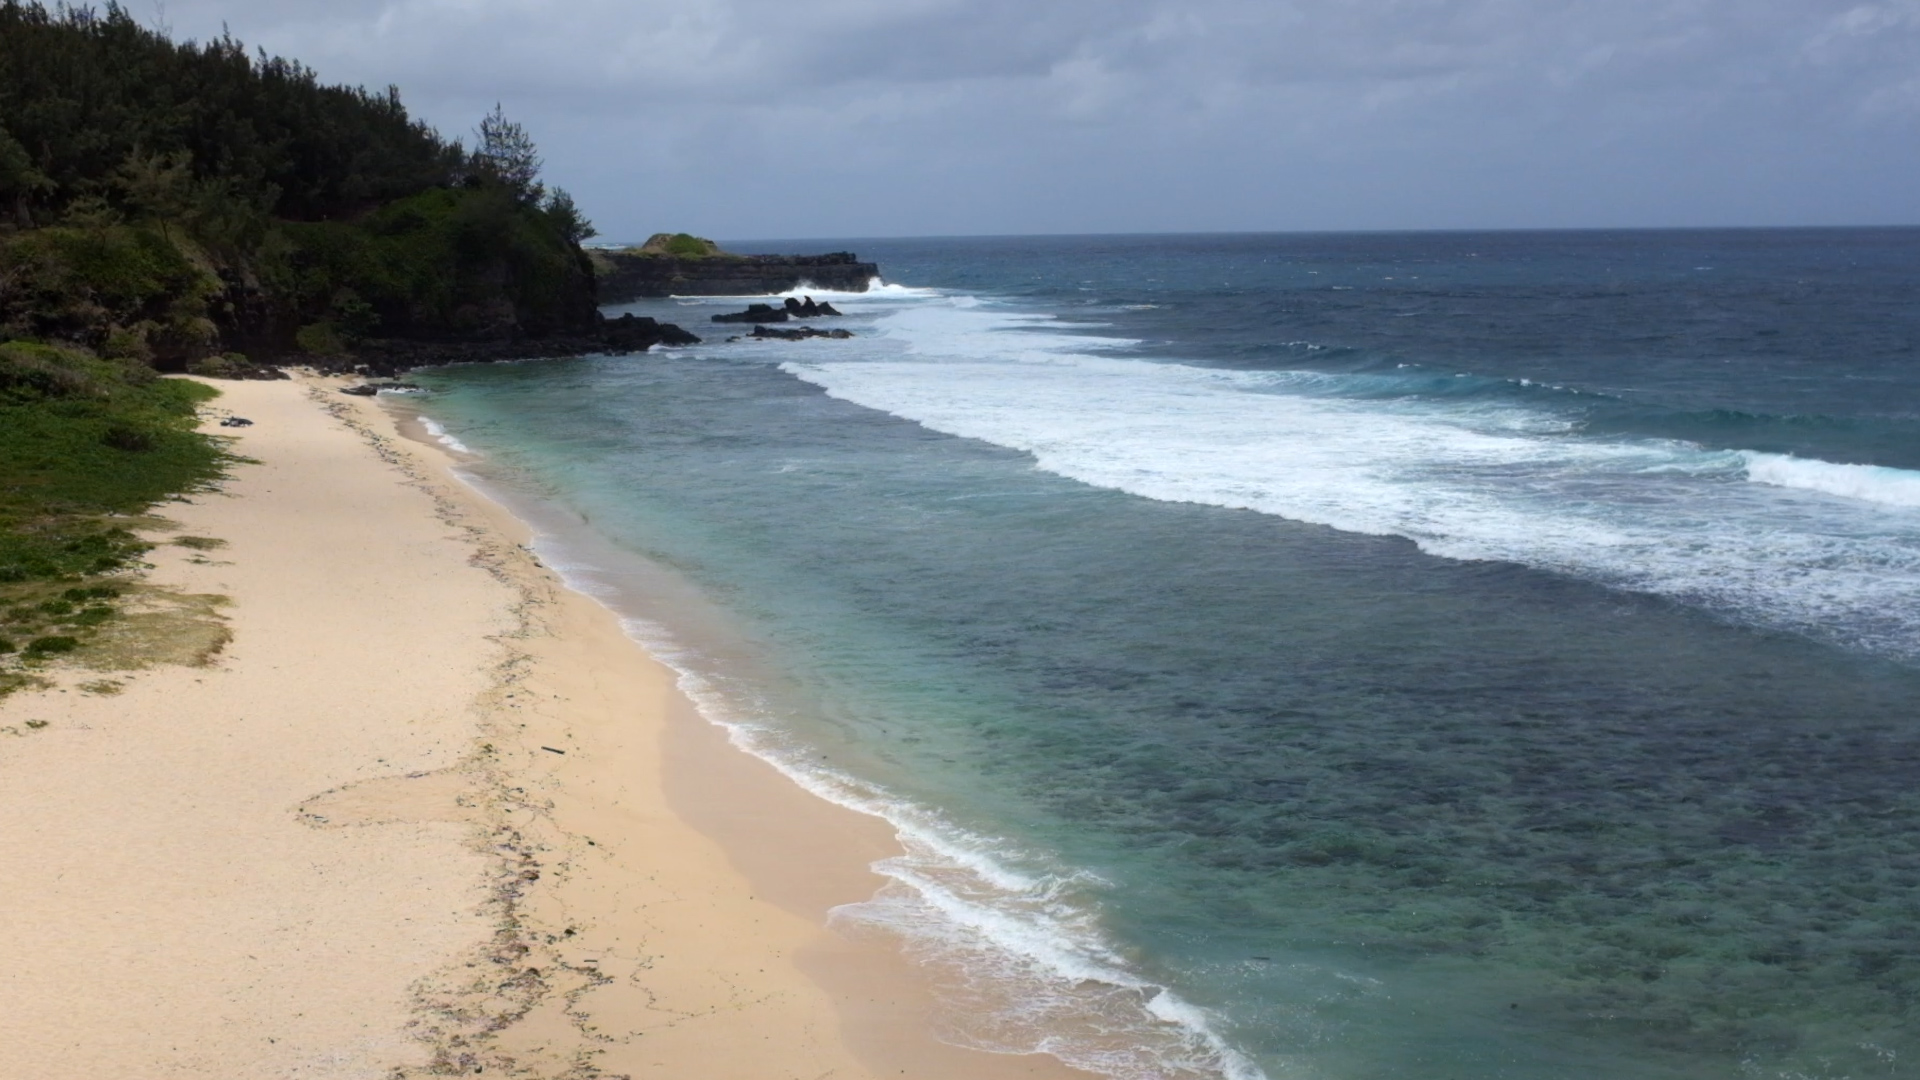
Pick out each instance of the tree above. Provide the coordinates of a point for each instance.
(157, 187)
(505, 154)
(567, 217)
(18, 178)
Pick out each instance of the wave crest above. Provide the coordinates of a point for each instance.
(1871, 483)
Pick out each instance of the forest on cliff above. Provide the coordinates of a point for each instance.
(190, 203)
(191, 207)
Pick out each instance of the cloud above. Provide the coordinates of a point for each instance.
(1016, 115)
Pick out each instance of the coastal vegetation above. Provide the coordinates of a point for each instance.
(193, 207)
(184, 203)
(681, 246)
(87, 443)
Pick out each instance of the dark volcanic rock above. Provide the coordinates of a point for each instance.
(755, 313)
(370, 389)
(808, 309)
(637, 333)
(625, 276)
(800, 334)
(386, 357)
(767, 313)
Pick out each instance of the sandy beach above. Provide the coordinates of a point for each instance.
(428, 812)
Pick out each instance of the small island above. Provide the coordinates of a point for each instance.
(678, 264)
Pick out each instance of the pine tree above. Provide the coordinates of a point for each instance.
(567, 217)
(505, 155)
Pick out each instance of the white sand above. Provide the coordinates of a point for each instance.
(342, 851)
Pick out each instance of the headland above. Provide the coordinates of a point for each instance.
(676, 264)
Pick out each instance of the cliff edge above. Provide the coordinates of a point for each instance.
(678, 265)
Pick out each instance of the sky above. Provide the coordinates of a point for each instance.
(868, 118)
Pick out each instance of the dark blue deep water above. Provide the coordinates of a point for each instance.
(1419, 656)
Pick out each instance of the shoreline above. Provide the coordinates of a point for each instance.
(799, 853)
(431, 812)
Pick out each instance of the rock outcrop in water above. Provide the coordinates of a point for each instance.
(623, 276)
(767, 313)
(637, 333)
(755, 313)
(800, 334)
(807, 309)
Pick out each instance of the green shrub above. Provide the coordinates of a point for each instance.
(680, 246)
(30, 371)
(128, 289)
(128, 343)
(133, 438)
(6, 646)
(46, 646)
(94, 616)
(231, 365)
(320, 339)
(685, 246)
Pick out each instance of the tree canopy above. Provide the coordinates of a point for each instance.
(504, 153)
(82, 91)
(173, 199)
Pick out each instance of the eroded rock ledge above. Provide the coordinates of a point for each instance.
(623, 276)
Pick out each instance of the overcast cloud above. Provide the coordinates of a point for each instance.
(764, 119)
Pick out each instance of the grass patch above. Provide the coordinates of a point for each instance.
(148, 626)
(199, 543)
(161, 628)
(82, 437)
(679, 246)
(103, 687)
(93, 616)
(15, 679)
(86, 444)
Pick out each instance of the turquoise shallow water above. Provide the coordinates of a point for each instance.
(1283, 662)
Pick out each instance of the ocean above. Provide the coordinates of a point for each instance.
(1437, 655)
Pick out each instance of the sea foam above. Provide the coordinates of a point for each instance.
(1017, 955)
(1463, 477)
(877, 289)
(1872, 483)
(440, 434)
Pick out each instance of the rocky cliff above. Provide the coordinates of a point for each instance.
(629, 275)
